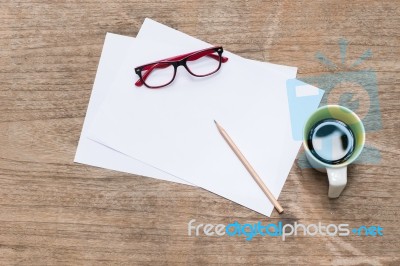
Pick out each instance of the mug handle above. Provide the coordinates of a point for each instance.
(337, 181)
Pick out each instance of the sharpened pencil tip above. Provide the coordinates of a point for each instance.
(215, 122)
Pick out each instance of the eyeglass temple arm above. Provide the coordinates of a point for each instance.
(150, 68)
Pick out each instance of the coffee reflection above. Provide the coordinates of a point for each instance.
(331, 141)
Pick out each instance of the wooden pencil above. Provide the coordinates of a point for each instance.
(249, 168)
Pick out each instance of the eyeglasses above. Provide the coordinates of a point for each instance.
(199, 64)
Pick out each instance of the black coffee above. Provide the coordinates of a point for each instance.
(331, 141)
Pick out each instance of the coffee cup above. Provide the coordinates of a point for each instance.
(333, 137)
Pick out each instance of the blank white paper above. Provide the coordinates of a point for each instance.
(173, 130)
(92, 153)
(95, 154)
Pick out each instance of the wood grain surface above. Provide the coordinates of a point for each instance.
(56, 212)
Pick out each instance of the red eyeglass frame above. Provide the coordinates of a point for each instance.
(177, 61)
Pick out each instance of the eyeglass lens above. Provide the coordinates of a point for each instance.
(204, 64)
(160, 74)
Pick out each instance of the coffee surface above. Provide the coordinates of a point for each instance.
(331, 141)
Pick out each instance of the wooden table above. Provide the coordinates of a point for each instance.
(53, 211)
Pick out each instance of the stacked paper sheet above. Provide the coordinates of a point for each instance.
(169, 133)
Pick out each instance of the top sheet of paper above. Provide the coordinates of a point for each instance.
(173, 130)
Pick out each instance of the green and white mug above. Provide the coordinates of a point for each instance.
(336, 170)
